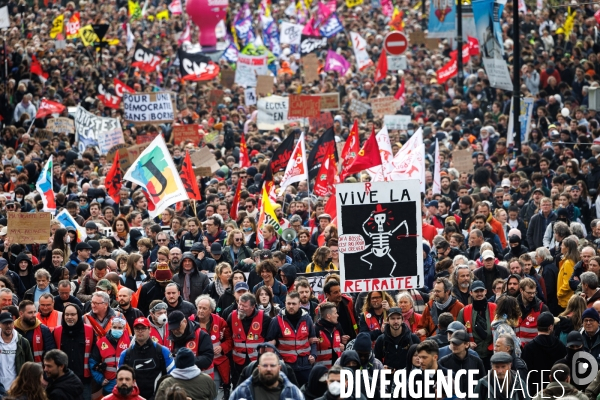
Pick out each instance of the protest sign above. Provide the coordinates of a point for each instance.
(123, 155)
(216, 96)
(304, 106)
(462, 161)
(324, 121)
(272, 112)
(227, 78)
(359, 107)
(60, 125)
(93, 131)
(396, 121)
(310, 64)
(330, 101)
(147, 138)
(264, 85)
(28, 228)
(290, 33)
(148, 108)
(396, 63)
(380, 240)
(418, 37)
(384, 105)
(182, 133)
(310, 44)
(250, 96)
(205, 163)
(248, 67)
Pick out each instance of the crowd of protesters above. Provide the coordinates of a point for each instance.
(196, 304)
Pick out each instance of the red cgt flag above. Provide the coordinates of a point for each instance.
(189, 178)
(121, 87)
(327, 173)
(48, 107)
(351, 148)
(233, 212)
(114, 179)
(367, 157)
(244, 159)
(36, 68)
(382, 67)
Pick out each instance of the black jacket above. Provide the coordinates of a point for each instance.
(499, 272)
(204, 353)
(17, 283)
(198, 280)
(131, 314)
(187, 240)
(151, 290)
(224, 301)
(550, 275)
(542, 352)
(67, 387)
(470, 362)
(392, 351)
(187, 308)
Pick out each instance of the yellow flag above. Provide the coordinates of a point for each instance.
(135, 12)
(267, 216)
(163, 15)
(353, 3)
(569, 22)
(57, 26)
(87, 35)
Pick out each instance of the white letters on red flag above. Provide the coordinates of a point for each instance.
(465, 54)
(448, 71)
(121, 87)
(473, 46)
(109, 100)
(327, 175)
(384, 171)
(73, 25)
(175, 7)
(48, 107)
(297, 169)
(351, 149)
(409, 162)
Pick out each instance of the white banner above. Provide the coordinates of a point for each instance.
(396, 122)
(4, 19)
(250, 96)
(290, 33)
(497, 72)
(396, 63)
(96, 131)
(272, 112)
(248, 67)
(384, 171)
(146, 108)
(360, 51)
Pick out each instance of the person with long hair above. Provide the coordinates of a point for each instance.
(264, 299)
(236, 253)
(374, 313)
(407, 305)
(506, 319)
(120, 229)
(134, 275)
(570, 257)
(321, 261)
(270, 241)
(570, 319)
(220, 283)
(228, 298)
(248, 227)
(28, 385)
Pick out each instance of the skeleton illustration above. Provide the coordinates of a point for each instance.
(382, 219)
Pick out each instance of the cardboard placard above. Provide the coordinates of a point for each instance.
(147, 138)
(61, 125)
(216, 96)
(419, 38)
(304, 106)
(182, 133)
(384, 105)
(264, 85)
(127, 155)
(227, 78)
(462, 161)
(28, 228)
(330, 101)
(205, 163)
(324, 120)
(359, 107)
(311, 68)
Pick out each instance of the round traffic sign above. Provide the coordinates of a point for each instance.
(395, 43)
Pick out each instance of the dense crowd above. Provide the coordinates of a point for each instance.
(197, 304)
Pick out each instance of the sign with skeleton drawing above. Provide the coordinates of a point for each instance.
(380, 241)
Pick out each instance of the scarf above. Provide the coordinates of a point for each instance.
(219, 287)
(122, 235)
(266, 309)
(406, 316)
(444, 305)
(186, 285)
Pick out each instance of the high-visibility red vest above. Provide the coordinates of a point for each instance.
(527, 329)
(325, 347)
(157, 338)
(110, 355)
(51, 321)
(89, 339)
(193, 345)
(293, 343)
(246, 344)
(38, 344)
(99, 330)
(468, 317)
(372, 321)
(215, 335)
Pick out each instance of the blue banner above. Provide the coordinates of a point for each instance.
(332, 27)
(487, 25)
(442, 19)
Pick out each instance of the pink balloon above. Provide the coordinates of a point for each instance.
(206, 14)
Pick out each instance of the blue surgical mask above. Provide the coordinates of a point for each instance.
(506, 203)
(100, 200)
(116, 333)
(247, 229)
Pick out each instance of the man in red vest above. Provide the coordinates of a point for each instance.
(531, 308)
(330, 340)
(220, 335)
(477, 318)
(187, 333)
(249, 328)
(159, 328)
(294, 333)
(39, 336)
(106, 354)
(47, 314)
(101, 315)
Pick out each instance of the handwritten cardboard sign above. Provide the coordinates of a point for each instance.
(205, 163)
(384, 105)
(127, 155)
(182, 133)
(264, 85)
(227, 78)
(61, 125)
(304, 106)
(324, 120)
(310, 63)
(216, 96)
(359, 107)
(462, 161)
(330, 101)
(28, 228)
(419, 38)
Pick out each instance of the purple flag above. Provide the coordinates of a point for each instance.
(335, 62)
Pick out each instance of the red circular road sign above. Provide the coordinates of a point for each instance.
(395, 43)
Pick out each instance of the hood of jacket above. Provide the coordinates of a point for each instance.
(78, 327)
(548, 342)
(22, 327)
(188, 256)
(134, 393)
(20, 258)
(290, 274)
(314, 387)
(560, 389)
(347, 356)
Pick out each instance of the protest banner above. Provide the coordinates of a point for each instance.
(250, 96)
(304, 106)
(205, 163)
(147, 138)
(28, 228)
(396, 63)
(248, 67)
(227, 78)
(310, 44)
(384, 105)
(359, 107)
(149, 108)
(60, 125)
(216, 97)
(272, 112)
(290, 33)
(380, 240)
(324, 121)
(264, 85)
(123, 155)
(182, 133)
(462, 160)
(310, 64)
(396, 121)
(93, 131)
(330, 101)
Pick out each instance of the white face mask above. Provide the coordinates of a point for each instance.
(68, 239)
(162, 319)
(13, 179)
(334, 388)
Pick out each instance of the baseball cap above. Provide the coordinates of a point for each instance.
(459, 337)
(488, 254)
(175, 319)
(545, 320)
(505, 182)
(216, 249)
(455, 326)
(141, 321)
(574, 338)
(394, 310)
(477, 285)
(5, 317)
(241, 286)
(3, 263)
(432, 203)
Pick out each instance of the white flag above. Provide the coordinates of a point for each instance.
(384, 171)
(175, 7)
(4, 19)
(130, 38)
(297, 168)
(437, 186)
(409, 162)
(360, 51)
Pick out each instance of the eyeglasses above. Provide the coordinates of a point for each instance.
(209, 224)
(238, 239)
(98, 303)
(161, 240)
(250, 206)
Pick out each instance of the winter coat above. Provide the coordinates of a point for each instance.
(187, 308)
(279, 291)
(537, 228)
(198, 386)
(134, 395)
(233, 260)
(499, 272)
(198, 280)
(563, 290)
(539, 354)
(67, 387)
(225, 300)
(427, 321)
(246, 389)
(470, 362)
(151, 290)
(559, 390)
(482, 389)
(392, 351)
(204, 354)
(550, 275)
(30, 294)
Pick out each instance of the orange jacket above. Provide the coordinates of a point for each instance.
(426, 321)
(497, 229)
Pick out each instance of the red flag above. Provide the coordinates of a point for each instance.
(473, 46)
(466, 54)
(244, 159)
(367, 157)
(189, 178)
(233, 213)
(331, 208)
(327, 173)
(151, 206)
(351, 148)
(448, 71)
(48, 107)
(114, 179)
(382, 67)
(121, 87)
(36, 68)
(400, 92)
